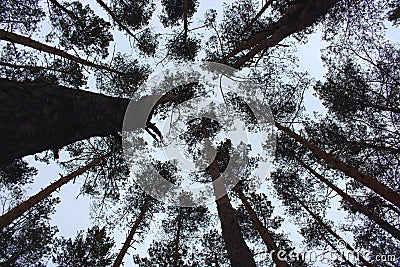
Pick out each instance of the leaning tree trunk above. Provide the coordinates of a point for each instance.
(132, 232)
(299, 16)
(26, 41)
(262, 230)
(349, 263)
(14, 213)
(366, 180)
(321, 223)
(358, 206)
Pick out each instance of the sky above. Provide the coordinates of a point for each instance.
(73, 213)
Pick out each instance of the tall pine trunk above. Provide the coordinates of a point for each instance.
(337, 251)
(262, 230)
(321, 223)
(14, 213)
(132, 232)
(177, 239)
(358, 206)
(239, 253)
(366, 180)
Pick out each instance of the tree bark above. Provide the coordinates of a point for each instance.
(132, 232)
(325, 226)
(366, 180)
(36, 117)
(14, 213)
(298, 17)
(358, 206)
(262, 230)
(239, 253)
(26, 41)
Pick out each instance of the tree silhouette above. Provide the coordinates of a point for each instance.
(69, 71)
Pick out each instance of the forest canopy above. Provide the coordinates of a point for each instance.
(70, 69)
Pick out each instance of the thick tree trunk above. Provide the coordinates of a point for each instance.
(262, 230)
(26, 41)
(321, 223)
(358, 206)
(14, 213)
(132, 232)
(298, 17)
(366, 180)
(239, 253)
(36, 117)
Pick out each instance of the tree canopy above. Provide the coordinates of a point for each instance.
(69, 71)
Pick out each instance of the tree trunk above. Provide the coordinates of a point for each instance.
(185, 19)
(359, 207)
(375, 147)
(14, 213)
(116, 20)
(262, 230)
(266, 5)
(366, 180)
(64, 9)
(325, 226)
(36, 117)
(239, 253)
(177, 239)
(298, 17)
(26, 41)
(132, 232)
(337, 251)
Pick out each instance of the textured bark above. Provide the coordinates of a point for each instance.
(366, 180)
(238, 252)
(321, 223)
(262, 230)
(298, 17)
(14, 213)
(358, 206)
(26, 41)
(132, 232)
(36, 117)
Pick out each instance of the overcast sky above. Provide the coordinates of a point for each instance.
(73, 213)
